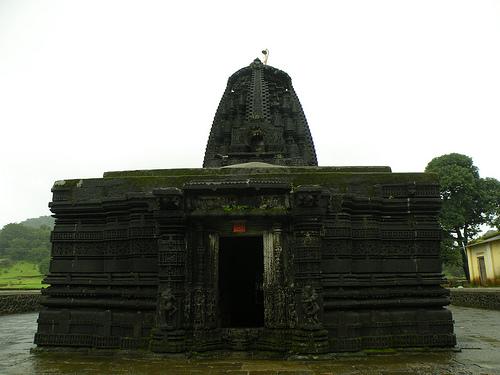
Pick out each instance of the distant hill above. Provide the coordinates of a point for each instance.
(37, 222)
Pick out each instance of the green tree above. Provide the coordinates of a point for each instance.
(469, 201)
(451, 257)
(19, 242)
(43, 266)
(37, 222)
(12, 232)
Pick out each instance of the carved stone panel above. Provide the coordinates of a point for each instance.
(229, 203)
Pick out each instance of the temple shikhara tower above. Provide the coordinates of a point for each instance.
(259, 250)
(260, 119)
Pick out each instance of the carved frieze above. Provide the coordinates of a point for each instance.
(171, 250)
(230, 203)
(410, 190)
(76, 235)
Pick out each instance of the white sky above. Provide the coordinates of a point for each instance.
(93, 86)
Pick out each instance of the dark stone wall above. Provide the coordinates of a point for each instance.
(381, 272)
(19, 303)
(479, 298)
(351, 260)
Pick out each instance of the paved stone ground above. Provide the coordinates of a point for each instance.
(478, 334)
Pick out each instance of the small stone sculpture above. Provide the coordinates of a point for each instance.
(166, 308)
(310, 305)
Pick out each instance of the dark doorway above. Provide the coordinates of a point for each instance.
(241, 270)
(482, 271)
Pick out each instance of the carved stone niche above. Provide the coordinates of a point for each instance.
(257, 137)
(310, 199)
(169, 199)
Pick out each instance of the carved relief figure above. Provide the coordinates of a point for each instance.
(171, 202)
(187, 306)
(257, 139)
(166, 308)
(292, 313)
(307, 200)
(310, 305)
(199, 308)
(211, 308)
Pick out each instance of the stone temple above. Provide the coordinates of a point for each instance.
(259, 250)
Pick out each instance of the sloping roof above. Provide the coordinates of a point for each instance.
(495, 237)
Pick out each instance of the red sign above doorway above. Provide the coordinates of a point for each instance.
(239, 228)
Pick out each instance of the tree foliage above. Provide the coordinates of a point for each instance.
(37, 222)
(19, 242)
(469, 201)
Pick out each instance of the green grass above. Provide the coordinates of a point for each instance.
(21, 275)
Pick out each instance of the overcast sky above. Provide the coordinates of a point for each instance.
(93, 86)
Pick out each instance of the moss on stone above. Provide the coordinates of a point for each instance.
(364, 183)
(242, 171)
(66, 184)
(327, 179)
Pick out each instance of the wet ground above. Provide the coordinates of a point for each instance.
(478, 335)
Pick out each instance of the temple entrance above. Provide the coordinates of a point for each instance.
(241, 270)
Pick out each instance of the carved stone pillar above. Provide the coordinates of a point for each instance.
(168, 335)
(310, 206)
(200, 285)
(204, 292)
(212, 280)
(275, 303)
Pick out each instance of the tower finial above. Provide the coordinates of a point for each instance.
(265, 52)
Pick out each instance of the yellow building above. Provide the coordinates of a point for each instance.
(484, 260)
